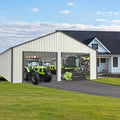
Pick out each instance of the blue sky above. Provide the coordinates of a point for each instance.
(23, 20)
(61, 11)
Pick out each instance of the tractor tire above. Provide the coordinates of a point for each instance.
(53, 72)
(29, 76)
(48, 77)
(26, 75)
(35, 78)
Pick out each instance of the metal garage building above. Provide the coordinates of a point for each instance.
(11, 61)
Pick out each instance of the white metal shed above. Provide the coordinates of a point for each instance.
(11, 61)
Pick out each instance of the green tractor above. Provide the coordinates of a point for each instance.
(72, 69)
(50, 66)
(35, 72)
(52, 69)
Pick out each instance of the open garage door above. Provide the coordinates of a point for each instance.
(39, 67)
(75, 66)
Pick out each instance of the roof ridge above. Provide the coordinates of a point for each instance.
(86, 31)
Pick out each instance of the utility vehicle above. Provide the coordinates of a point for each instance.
(74, 68)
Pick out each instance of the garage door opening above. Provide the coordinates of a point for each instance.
(75, 66)
(39, 67)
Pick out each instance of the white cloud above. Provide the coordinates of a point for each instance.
(116, 21)
(113, 13)
(70, 3)
(101, 20)
(110, 13)
(13, 33)
(100, 13)
(116, 13)
(65, 11)
(34, 10)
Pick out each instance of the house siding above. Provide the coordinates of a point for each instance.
(115, 70)
(110, 67)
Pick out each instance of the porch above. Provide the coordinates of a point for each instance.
(103, 66)
(108, 66)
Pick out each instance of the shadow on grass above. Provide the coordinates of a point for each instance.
(2, 79)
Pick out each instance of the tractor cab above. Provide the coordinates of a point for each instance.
(46, 64)
(51, 65)
(70, 63)
(32, 63)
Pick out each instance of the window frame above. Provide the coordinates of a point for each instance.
(96, 48)
(98, 62)
(102, 60)
(115, 64)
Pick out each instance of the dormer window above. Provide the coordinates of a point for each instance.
(95, 46)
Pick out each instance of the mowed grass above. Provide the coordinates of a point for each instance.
(29, 102)
(112, 81)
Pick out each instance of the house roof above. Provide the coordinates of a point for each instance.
(109, 39)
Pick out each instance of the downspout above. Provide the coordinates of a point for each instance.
(11, 65)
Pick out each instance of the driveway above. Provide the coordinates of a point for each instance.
(84, 86)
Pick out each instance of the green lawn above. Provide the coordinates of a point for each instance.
(29, 102)
(112, 81)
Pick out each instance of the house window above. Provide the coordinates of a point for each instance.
(115, 61)
(98, 62)
(95, 46)
(102, 60)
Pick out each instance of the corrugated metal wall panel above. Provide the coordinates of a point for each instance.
(5, 65)
(56, 42)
